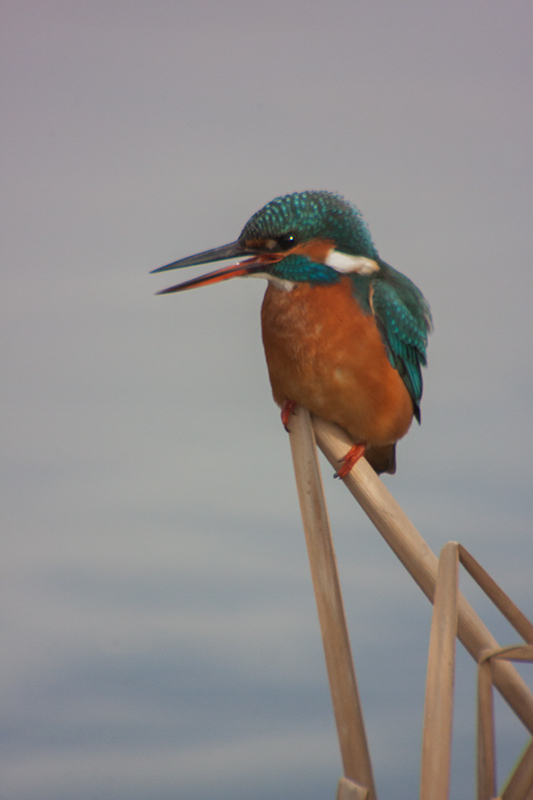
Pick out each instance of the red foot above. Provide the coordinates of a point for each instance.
(350, 459)
(286, 410)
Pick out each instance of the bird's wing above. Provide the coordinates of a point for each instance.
(404, 321)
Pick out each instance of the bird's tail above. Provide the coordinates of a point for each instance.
(382, 459)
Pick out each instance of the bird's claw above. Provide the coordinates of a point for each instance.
(350, 460)
(287, 409)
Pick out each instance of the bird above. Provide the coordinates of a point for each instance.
(344, 333)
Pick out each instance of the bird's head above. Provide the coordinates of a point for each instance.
(307, 236)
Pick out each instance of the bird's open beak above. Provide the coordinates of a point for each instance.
(256, 264)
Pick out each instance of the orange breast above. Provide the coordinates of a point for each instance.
(325, 354)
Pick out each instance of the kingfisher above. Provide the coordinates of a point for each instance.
(344, 333)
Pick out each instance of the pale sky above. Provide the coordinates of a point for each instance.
(160, 635)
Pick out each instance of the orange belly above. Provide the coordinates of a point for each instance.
(325, 354)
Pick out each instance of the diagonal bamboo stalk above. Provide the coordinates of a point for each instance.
(438, 707)
(518, 620)
(520, 784)
(341, 673)
(409, 546)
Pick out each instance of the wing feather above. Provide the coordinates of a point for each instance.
(404, 321)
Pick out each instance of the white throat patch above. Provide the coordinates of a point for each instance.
(342, 262)
(279, 283)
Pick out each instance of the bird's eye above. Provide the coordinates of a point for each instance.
(285, 241)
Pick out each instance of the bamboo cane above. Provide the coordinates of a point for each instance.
(518, 620)
(520, 784)
(438, 707)
(409, 546)
(341, 673)
(521, 781)
(486, 745)
(348, 790)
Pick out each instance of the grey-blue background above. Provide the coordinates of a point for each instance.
(160, 637)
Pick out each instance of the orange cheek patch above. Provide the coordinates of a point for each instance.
(317, 250)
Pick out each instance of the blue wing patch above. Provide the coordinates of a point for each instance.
(404, 321)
